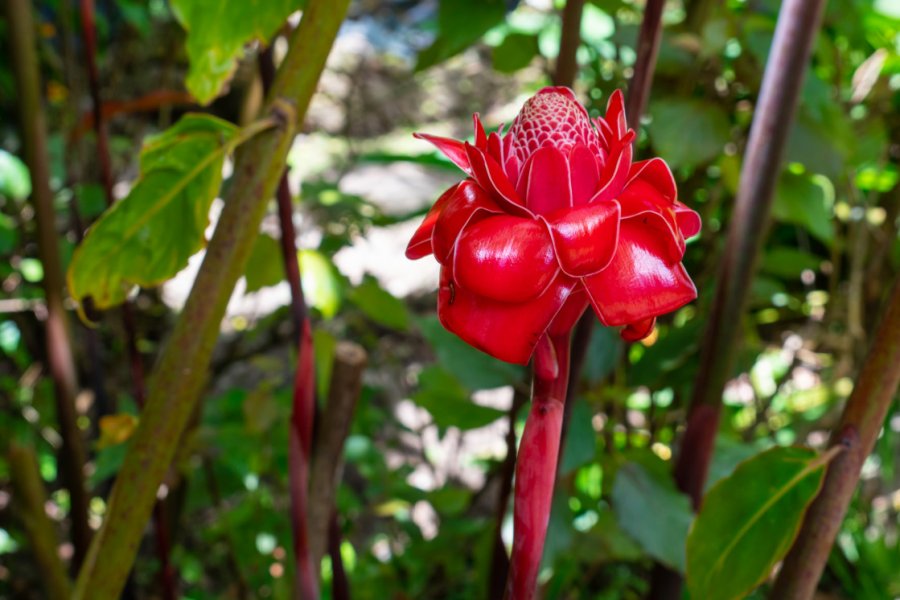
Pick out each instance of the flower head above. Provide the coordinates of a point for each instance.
(553, 217)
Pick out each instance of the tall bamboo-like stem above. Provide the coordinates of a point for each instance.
(536, 470)
(178, 379)
(861, 423)
(798, 23)
(29, 498)
(20, 26)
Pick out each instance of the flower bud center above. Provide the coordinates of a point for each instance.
(551, 118)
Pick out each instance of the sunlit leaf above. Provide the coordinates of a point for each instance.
(218, 32)
(15, 180)
(149, 236)
(515, 52)
(322, 285)
(379, 305)
(265, 266)
(749, 520)
(801, 201)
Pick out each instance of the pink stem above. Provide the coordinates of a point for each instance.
(536, 472)
(299, 457)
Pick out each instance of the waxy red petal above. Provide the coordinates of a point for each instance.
(615, 114)
(506, 331)
(585, 238)
(565, 320)
(468, 202)
(615, 171)
(642, 201)
(688, 220)
(504, 258)
(420, 244)
(545, 182)
(637, 331)
(658, 174)
(585, 174)
(491, 177)
(452, 149)
(639, 283)
(480, 137)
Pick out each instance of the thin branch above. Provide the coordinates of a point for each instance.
(647, 52)
(860, 425)
(178, 380)
(29, 498)
(20, 26)
(333, 426)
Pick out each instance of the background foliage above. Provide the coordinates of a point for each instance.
(425, 454)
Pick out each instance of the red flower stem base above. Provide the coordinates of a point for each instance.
(536, 470)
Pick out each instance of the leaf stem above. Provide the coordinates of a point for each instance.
(536, 472)
(857, 432)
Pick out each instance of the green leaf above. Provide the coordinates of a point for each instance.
(708, 126)
(149, 236)
(581, 440)
(653, 512)
(449, 403)
(9, 234)
(217, 33)
(379, 305)
(515, 52)
(788, 263)
(477, 370)
(461, 23)
(324, 345)
(749, 520)
(801, 201)
(15, 180)
(265, 266)
(321, 282)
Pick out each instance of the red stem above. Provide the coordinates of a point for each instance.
(536, 473)
(303, 412)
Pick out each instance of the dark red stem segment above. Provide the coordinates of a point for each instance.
(798, 23)
(570, 39)
(647, 51)
(299, 457)
(536, 473)
(861, 423)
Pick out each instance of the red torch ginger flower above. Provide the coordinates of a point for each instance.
(553, 217)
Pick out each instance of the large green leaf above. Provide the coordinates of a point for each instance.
(449, 403)
(515, 52)
(474, 368)
(688, 132)
(749, 520)
(461, 23)
(149, 236)
(379, 305)
(218, 32)
(801, 201)
(653, 512)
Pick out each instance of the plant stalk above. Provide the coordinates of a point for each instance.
(71, 455)
(858, 430)
(570, 40)
(798, 24)
(179, 377)
(29, 498)
(536, 473)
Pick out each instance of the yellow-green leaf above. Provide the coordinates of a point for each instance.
(749, 521)
(149, 236)
(218, 30)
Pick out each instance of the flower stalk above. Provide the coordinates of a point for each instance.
(536, 465)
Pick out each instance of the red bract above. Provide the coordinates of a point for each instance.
(555, 216)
